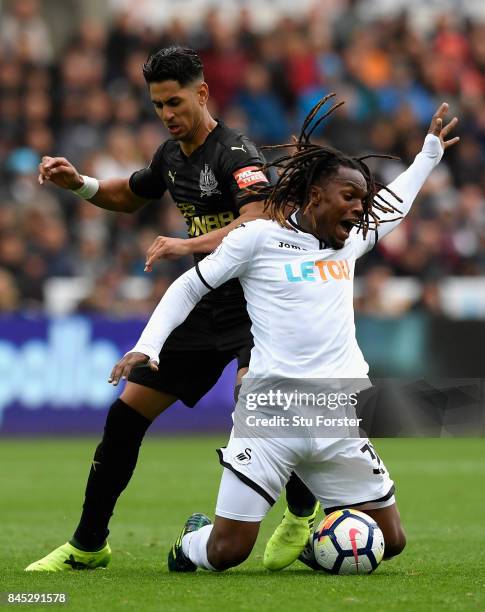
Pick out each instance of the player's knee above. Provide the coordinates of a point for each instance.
(226, 552)
(124, 425)
(395, 542)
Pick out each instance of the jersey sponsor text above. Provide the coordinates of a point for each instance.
(203, 224)
(245, 177)
(324, 270)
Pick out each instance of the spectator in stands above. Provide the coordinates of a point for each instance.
(24, 34)
(264, 76)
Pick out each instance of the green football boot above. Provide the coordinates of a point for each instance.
(177, 560)
(288, 540)
(67, 557)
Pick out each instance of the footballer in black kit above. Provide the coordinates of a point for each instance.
(209, 170)
(208, 187)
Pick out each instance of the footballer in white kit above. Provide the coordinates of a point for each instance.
(297, 276)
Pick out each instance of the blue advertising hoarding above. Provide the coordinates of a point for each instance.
(54, 371)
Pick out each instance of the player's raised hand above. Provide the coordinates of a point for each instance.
(131, 360)
(164, 247)
(60, 172)
(436, 126)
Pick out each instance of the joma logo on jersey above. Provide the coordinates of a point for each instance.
(288, 245)
(312, 271)
(204, 224)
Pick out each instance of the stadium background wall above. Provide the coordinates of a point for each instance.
(53, 371)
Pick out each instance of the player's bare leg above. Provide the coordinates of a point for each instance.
(240, 509)
(291, 536)
(230, 542)
(389, 521)
(148, 402)
(216, 547)
(239, 375)
(113, 464)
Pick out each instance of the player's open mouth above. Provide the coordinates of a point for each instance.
(174, 129)
(346, 226)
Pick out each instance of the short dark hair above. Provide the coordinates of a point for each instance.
(179, 64)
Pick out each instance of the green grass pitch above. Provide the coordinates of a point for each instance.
(441, 494)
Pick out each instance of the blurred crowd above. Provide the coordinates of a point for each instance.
(89, 103)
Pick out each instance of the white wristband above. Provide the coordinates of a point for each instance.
(89, 189)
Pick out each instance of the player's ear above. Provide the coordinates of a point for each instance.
(314, 201)
(315, 196)
(203, 93)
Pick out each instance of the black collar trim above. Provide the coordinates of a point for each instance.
(294, 223)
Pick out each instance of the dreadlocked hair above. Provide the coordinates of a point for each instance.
(309, 162)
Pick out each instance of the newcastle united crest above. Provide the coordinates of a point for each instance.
(207, 183)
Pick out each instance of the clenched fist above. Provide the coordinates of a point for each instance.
(60, 172)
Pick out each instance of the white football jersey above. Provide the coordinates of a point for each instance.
(299, 292)
(299, 297)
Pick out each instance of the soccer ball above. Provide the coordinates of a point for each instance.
(348, 542)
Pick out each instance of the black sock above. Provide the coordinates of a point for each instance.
(237, 388)
(299, 498)
(113, 465)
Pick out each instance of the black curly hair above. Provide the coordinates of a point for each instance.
(309, 163)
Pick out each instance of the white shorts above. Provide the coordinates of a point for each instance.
(340, 472)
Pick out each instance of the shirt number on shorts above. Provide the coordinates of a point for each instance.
(379, 466)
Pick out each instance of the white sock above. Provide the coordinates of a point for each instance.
(194, 545)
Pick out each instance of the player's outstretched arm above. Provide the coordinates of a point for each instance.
(229, 261)
(111, 194)
(408, 184)
(172, 310)
(164, 247)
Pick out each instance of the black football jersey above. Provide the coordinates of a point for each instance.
(208, 187)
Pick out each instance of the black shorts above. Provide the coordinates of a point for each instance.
(195, 354)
